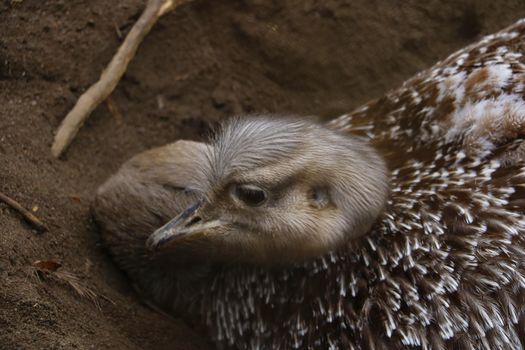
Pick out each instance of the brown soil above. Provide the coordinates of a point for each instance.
(201, 64)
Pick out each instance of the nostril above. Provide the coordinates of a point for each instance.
(193, 221)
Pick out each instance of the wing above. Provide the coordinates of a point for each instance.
(475, 98)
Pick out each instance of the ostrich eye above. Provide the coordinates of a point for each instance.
(250, 195)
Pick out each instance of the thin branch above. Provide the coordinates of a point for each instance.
(110, 77)
(28, 216)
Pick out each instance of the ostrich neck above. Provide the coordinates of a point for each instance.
(174, 289)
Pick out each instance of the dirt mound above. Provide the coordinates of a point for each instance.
(203, 63)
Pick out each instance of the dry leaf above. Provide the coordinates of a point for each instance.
(48, 265)
(75, 198)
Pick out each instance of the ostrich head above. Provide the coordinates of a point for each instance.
(276, 191)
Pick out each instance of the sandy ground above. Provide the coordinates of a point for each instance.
(209, 60)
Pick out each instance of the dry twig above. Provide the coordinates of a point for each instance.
(28, 216)
(110, 77)
(49, 269)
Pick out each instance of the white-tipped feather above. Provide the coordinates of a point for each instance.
(436, 263)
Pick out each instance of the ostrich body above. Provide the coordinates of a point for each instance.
(400, 225)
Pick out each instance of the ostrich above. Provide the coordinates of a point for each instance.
(399, 225)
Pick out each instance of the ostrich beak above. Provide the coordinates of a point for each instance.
(187, 226)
